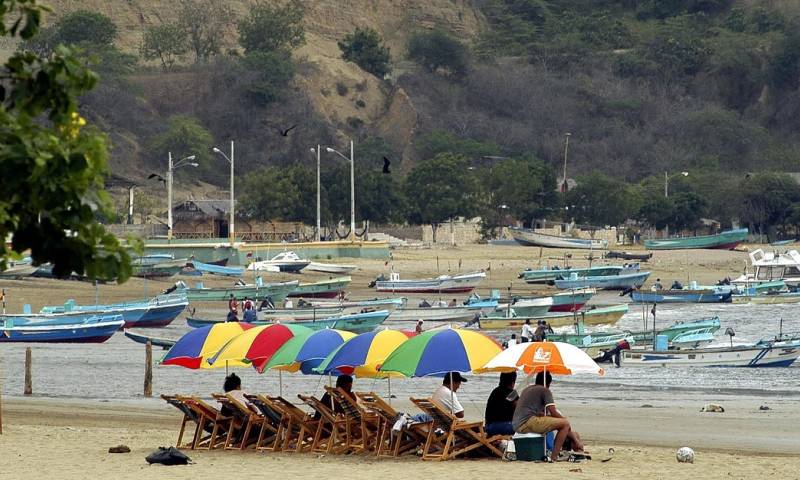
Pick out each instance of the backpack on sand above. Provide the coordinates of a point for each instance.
(168, 456)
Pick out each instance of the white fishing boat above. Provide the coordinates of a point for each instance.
(463, 283)
(770, 267)
(528, 237)
(761, 354)
(442, 312)
(329, 267)
(282, 262)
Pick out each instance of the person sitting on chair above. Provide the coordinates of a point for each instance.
(233, 387)
(445, 395)
(536, 413)
(345, 382)
(500, 406)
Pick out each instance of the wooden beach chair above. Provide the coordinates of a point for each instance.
(248, 421)
(450, 436)
(189, 415)
(363, 426)
(331, 434)
(209, 418)
(301, 427)
(393, 444)
(277, 421)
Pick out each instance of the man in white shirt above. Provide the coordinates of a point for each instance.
(446, 397)
(527, 331)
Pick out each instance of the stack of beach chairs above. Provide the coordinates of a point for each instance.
(368, 426)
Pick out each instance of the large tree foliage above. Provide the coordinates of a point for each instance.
(365, 48)
(438, 51)
(602, 200)
(53, 163)
(204, 22)
(526, 187)
(167, 43)
(269, 28)
(185, 136)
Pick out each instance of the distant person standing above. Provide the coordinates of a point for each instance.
(657, 286)
(233, 305)
(540, 332)
(527, 331)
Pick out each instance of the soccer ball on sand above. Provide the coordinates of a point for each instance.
(685, 455)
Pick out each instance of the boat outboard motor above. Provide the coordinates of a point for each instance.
(614, 355)
(476, 320)
(627, 291)
(730, 333)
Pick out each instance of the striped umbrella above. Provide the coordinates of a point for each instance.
(305, 352)
(257, 345)
(363, 354)
(555, 357)
(437, 352)
(193, 349)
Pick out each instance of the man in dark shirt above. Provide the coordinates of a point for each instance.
(500, 406)
(345, 382)
(536, 413)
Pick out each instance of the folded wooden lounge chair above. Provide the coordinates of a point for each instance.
(331, 434)
(363, 426)
(301, 427)
(189, 415)
(209, 418)
(451, 436)
(393, 444)
(251, 425)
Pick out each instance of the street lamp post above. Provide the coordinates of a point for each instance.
(318, 151)
(565, 186)
(231, 231)
(666, 181)
(352, 187)
(170, 168)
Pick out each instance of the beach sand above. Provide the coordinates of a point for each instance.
(69, 438)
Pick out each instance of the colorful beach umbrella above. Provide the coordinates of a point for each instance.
(436, 352)
(193, 349)
(363, 354)
(305, 352)
(556, 357)
(257, 345)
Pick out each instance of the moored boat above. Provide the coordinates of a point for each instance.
(157, 269)
(528, 237)
(762, 354)
(356, 323)
(462, 283)
(20, 268)
(165, 343)
(330, 288)
(623, 281)
(329, 267)
(570, 301)
(258, 291)
(95, 329)
(601, 315)
(158, 311)
(212, 269)
(284, 262)
(641, 257)
(550, 275)
(682, 296)
(771, 267)
(727, 240)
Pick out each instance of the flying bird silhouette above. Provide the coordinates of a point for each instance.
(386, 163)
(285, 133)
(158, 178)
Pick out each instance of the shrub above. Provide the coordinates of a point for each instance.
(438, 51)
(365, 48)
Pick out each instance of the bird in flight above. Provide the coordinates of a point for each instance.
(386, 163)
(285, 133)
(158, 178)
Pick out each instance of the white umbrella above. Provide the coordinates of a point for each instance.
(555, 357)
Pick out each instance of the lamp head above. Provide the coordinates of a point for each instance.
(329, 149)
(193, 164)
(313, 150)
(190, 157)
(216, 150)
(685, 174)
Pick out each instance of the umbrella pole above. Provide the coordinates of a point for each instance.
(226, 368)
(452, 395)
(280, 383)
(389, 381)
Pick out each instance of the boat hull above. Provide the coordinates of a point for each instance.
(727, 240)
(330, 268)
(778, 299)
(356, 323)
(164, 343)
(548, 275)
(434, 314)
(529, 238)
(88, 332)
(158, 316)
(681, 296)
(276, 291)
(448, 284)
(597, 316)
(747, 356)
(610, 282)
(325, 289)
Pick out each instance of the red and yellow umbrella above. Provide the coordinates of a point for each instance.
(196, 347)
(257, 345)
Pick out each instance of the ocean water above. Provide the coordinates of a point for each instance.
(115, 369)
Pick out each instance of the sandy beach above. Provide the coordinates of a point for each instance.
(69, 435)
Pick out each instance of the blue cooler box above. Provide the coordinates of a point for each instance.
(530, 447)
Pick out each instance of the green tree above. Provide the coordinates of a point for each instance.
(438, 51)
(379, 197)
(86, 28)
(167, 43)
(185, 136)
(53, 187)
(365, 48)
(270, 74)
(204, 22)
(270, 29)
(687, 210)
(439, 141)
(767, 199)
(440, 189)
(274, 203)
(526, 186)
(656, 211)
(602, 200)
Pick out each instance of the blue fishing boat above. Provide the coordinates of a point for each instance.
(95, 329)
(622, 281)
(211, 269)
(158, 311)
(682, 296)
(356, 323)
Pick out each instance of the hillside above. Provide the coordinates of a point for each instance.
(645, 87)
